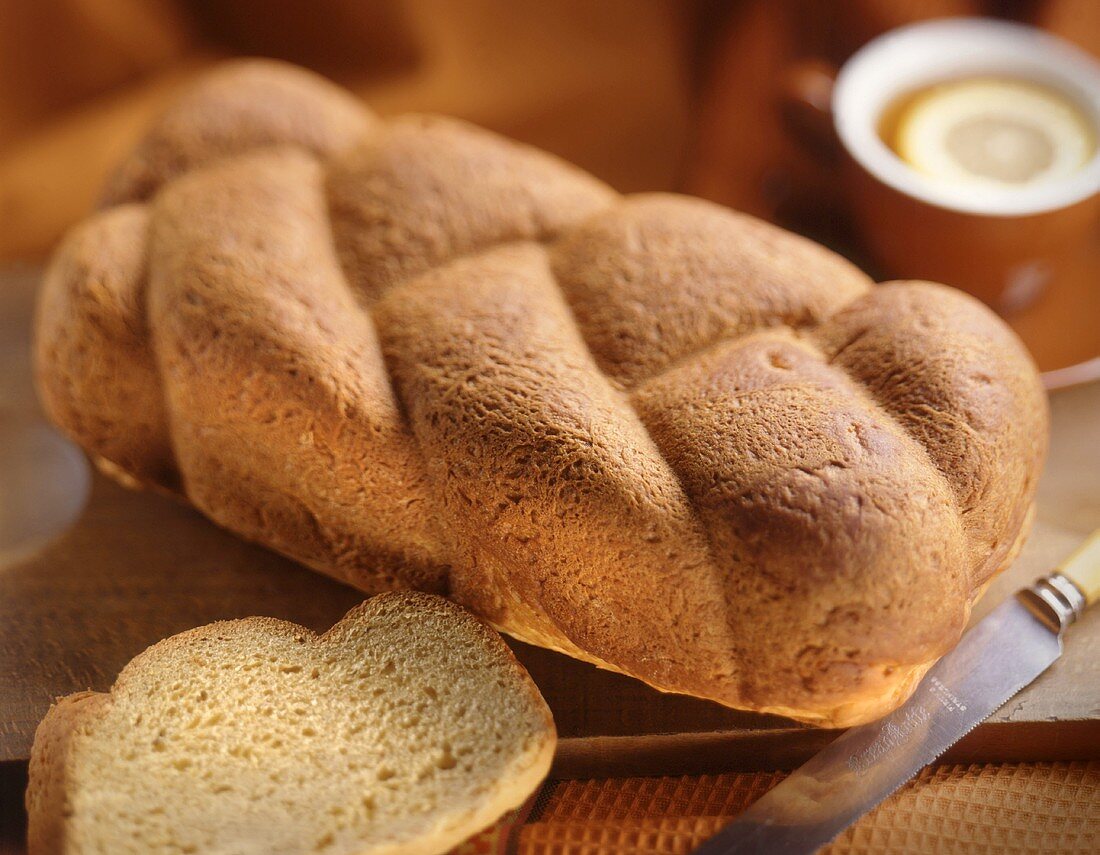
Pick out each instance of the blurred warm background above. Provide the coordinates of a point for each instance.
(646, 94)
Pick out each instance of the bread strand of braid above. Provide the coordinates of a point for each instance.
(646, 431)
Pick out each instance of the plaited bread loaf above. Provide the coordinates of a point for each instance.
(647, 431)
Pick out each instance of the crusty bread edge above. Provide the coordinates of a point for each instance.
(872, 704)
(46, 798)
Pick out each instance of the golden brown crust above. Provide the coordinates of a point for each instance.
(241, 106)
(48, 790)
(647, 431)
(305, 372)
(96, 372)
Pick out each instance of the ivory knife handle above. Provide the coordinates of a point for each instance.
(1082, 568)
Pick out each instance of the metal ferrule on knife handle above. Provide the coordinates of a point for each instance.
(1055, 600)
(1061, 598)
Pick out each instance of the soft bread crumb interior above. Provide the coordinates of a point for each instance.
(400, 728)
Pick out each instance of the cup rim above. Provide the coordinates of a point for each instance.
(859, 97)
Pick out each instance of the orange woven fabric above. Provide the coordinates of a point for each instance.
(978, 810)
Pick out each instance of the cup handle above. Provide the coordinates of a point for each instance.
(806, 94)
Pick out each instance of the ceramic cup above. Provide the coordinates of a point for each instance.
(1006, 247)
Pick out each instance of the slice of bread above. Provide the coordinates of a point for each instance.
(406, 727)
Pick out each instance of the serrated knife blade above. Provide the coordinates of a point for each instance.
(1004, 652)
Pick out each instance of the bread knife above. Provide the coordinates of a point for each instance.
(1004, 652)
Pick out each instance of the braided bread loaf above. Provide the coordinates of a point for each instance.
(649, 432)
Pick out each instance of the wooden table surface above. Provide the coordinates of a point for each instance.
(130, 568)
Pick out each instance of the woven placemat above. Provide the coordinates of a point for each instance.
(978, 810)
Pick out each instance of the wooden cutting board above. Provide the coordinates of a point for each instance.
(133, 568)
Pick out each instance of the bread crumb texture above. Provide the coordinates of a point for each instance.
(647, 431)
(407, 727)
